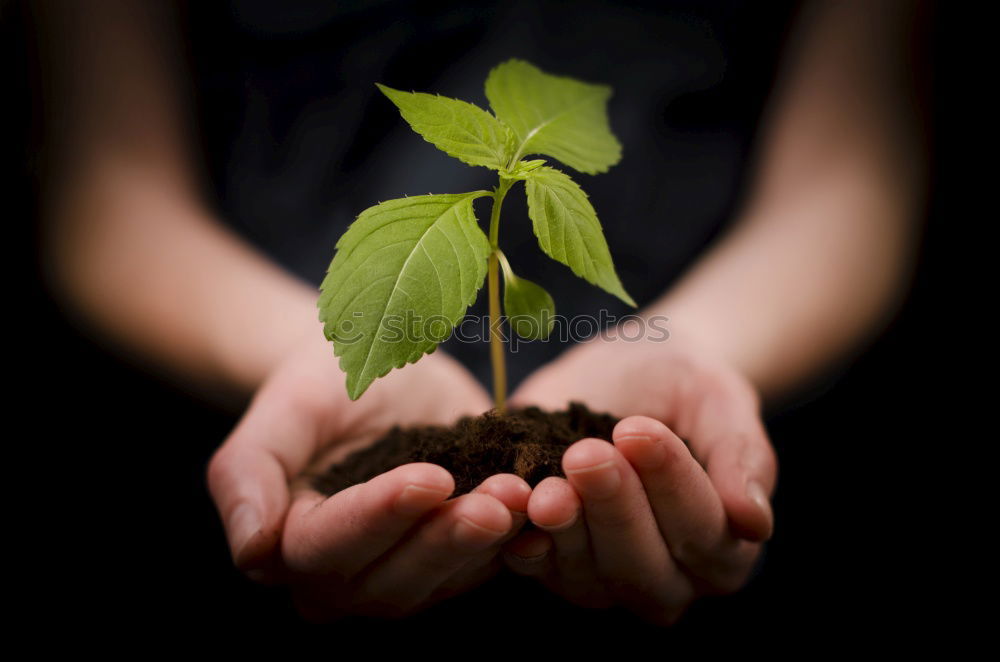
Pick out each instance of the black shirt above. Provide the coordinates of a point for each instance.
(298, 141)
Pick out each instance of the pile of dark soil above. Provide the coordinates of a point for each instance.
(528, 442)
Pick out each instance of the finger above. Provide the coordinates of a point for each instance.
(248, 476)
(529, 553)
(345, 532)
(729, 438)
(686, 506)
(471, 576)
(513, 492)
(628, 548)
(556, 508)
(458, 530)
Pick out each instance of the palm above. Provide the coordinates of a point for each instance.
(392, 545)
(651, 521)
(433, 392)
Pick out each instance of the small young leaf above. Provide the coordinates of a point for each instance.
(522, 169)
(554, 115)
(568, 230)
(458, 128)
(404, 274)
(529, 308)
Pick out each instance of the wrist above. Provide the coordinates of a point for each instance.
(288, 325)
(697, 330)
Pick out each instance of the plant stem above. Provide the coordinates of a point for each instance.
(496, 344)
(493, 283)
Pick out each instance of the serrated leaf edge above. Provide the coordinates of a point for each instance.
(503, 157)
(354, 393)
(627, 298)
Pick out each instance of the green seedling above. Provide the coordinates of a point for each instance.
(424, 258)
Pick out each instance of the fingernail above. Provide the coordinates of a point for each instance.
(599, 481)
(534, 558)
(530, 550)
(244, 523)
(756, 493)
(258, 575)
(646, 452)
(415, 499)
(472, 537)
(560, 527)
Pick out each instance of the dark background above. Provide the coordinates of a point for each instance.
(116, 532)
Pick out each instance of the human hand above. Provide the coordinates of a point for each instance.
(390, 546)
(649, 522)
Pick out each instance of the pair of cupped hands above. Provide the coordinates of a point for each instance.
(675, 508)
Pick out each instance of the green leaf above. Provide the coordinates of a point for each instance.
(554, 115)
(568, 230)
(459, 129)
(529, 308)
(403, 276)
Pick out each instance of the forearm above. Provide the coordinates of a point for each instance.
(128, 244)
(149, 267)
(818, 260)
(798, 283)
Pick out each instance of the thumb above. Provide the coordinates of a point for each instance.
(730, 440)
(248, 477)
(745, 475)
